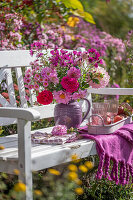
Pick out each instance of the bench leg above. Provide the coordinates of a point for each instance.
(26, 178)
(24, 156)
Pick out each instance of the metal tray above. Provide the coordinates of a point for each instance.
(107, 129)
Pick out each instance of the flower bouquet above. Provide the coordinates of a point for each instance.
(65, 75)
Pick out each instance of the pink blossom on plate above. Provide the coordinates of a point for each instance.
(59, 130)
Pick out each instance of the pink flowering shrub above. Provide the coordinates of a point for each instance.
(10, 26)
(65, 74)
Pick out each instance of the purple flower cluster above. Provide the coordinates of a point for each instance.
(88, 36)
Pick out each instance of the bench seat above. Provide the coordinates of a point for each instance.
(43, 156)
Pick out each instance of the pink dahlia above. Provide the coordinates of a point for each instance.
(62, 97)
(102, 77)
(45, 97)
(73, 72)
(70, 84)
(59, 130)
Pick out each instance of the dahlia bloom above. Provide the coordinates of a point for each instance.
(102, 76)
(59, 130)
(69, 84)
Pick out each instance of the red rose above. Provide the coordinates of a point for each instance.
(45, 97)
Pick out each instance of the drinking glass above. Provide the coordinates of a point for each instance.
(112, 108)
(99, 108)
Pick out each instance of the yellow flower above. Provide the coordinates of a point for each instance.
(72, 176)
(54, 171)
(127, 101)
(89, 164)
(83, 168)
(79, 191)
(72, 167)
(20, 187)
(63, 27)
(38, 192)
(72, 37)
(78, 181)
(2, 147)
(16, 171)
(72, 21)
(75, 158)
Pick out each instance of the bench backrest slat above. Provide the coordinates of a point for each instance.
(17, 58)
(21, 87)
(112, 91)
(10, 88)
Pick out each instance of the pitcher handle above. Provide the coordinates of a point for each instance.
(88, 108)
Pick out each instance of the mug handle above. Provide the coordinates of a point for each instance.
(88, 109)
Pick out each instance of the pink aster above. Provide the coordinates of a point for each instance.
(70, 84)
(30, 87)
(27, 75)
(46, 71)
(59, 130)
(45, 79)
(36, 87)
(73, 72)
(27, 80)
(45, 84)
(37, 76)
(41, 80)
(62, 97)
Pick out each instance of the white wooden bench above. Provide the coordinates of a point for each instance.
(19, 153)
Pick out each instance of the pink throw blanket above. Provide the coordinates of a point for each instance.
(117, 147)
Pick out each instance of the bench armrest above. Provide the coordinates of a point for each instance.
(20, 113)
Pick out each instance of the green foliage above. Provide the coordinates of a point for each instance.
(105, 190)
(85, 15)
(45, 182)
(114, 17)
(77, 9)
(76, 4)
